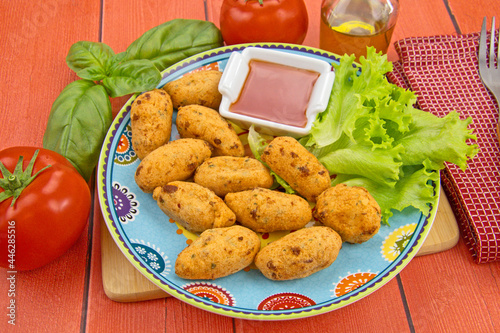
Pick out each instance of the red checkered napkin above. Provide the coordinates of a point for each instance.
(443, 72)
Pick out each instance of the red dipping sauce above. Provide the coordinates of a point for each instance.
(276, 92)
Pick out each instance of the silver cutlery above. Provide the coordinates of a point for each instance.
(490, 73)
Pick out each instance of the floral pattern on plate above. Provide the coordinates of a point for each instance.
(126, 205)
(352, 282)
(210, 291)
(397, 241)
(152, 256)
(284, 301)
(125, 154)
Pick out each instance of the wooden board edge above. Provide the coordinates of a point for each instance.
(122, 282)
(445, 233)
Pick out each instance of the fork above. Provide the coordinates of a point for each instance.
(490, 73)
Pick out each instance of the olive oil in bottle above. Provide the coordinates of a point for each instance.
(349, 26)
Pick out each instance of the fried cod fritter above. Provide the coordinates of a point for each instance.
(350, 211)
(226, 174)
(193, 206)
(200, 88)
(176, 160)
(263, 210)
(299, 254)
(151, 121)
(217, 253)
(297, 166)
(199, 122)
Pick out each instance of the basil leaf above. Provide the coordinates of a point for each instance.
(117, 58)
(174, 41)
(78, 123)
(131, 76)
(89, 60)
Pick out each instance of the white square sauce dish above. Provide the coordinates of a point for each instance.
(280, 93)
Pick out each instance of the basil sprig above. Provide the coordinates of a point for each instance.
(81, 115)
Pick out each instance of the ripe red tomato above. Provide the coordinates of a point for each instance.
(49, 215)
(250, 21)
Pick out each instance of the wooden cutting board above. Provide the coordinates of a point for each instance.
(123, 283)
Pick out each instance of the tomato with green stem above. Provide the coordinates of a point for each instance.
(44, 207)
(250, 21)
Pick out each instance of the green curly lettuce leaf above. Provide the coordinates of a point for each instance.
(414, 188)
(437, 139)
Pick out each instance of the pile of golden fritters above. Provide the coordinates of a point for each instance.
(205, 183)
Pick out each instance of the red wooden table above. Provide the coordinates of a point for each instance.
(445, 292)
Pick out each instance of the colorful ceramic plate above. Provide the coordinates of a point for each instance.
(151, 240)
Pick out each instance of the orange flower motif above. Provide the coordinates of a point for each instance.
(352, 282)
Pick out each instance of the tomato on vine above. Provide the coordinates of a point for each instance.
(250, 21)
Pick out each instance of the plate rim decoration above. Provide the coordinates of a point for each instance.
(105, 183)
